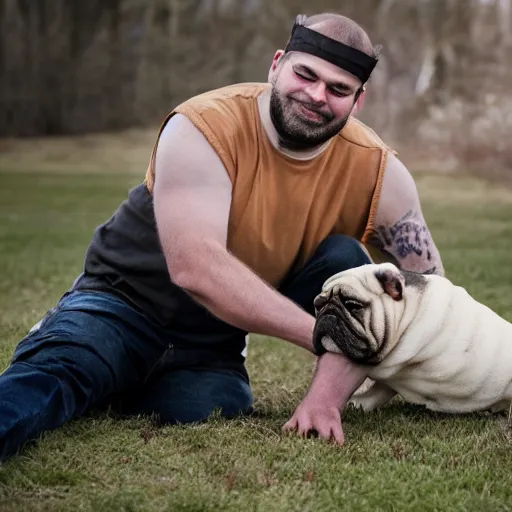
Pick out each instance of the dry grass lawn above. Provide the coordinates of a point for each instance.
(52, 196)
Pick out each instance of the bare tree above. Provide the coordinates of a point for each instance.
(69, 66)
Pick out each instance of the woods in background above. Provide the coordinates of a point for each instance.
(74, 66)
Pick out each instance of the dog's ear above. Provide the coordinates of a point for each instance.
(392, 281)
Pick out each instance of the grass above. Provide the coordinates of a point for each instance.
(398, 458)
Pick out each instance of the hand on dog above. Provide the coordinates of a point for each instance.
(314, 418)
(335, 379)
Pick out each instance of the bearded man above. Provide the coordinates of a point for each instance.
(255, 194)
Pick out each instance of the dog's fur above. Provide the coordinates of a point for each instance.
(419, 336)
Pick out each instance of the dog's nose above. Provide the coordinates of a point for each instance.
(320, 301)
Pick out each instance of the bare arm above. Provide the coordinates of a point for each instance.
(401, 233)
(400, 228)
(192, 198)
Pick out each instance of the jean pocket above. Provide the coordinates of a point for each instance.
(31, 337)
(49, 314)
(37, 326)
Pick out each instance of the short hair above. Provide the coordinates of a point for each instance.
(343, 30)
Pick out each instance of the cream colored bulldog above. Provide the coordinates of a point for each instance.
(419, 336)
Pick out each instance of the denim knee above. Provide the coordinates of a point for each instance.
(192, 395)
(340, 252)
(200, 394)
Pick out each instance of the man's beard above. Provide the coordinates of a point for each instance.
(297, 133)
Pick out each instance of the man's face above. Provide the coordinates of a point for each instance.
(311, 99)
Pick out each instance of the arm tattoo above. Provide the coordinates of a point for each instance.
(409, 236)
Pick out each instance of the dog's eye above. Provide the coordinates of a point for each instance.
(353, 305)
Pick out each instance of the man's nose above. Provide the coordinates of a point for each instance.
(317, 92)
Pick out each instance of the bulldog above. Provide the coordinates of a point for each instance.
(419, 336)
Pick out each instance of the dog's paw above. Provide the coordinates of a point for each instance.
(360, 403)
(376, 396)
(364, 387)
(503, 406)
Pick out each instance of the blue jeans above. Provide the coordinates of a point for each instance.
(95, 347)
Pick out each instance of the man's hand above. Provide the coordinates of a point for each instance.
(312, 417)
(335, 379)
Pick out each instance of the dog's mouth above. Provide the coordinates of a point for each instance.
(325, 326)
(335, 324)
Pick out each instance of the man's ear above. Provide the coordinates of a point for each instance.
(276, 59)
(392, 281)
(359, 104)
(275, 63)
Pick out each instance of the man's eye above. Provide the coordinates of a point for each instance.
(340, 92)
(305, 77)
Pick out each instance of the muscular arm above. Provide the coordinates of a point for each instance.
(192, 198)
(400, 228)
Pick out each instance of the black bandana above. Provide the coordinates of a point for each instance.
(345, 57)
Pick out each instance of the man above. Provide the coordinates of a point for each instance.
(255, 194)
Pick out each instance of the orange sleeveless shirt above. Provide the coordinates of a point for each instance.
(282, 208)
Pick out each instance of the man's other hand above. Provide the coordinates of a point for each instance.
(314, 418)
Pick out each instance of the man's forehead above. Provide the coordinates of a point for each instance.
(325, 70)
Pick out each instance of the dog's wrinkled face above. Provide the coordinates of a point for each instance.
(358, 311)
